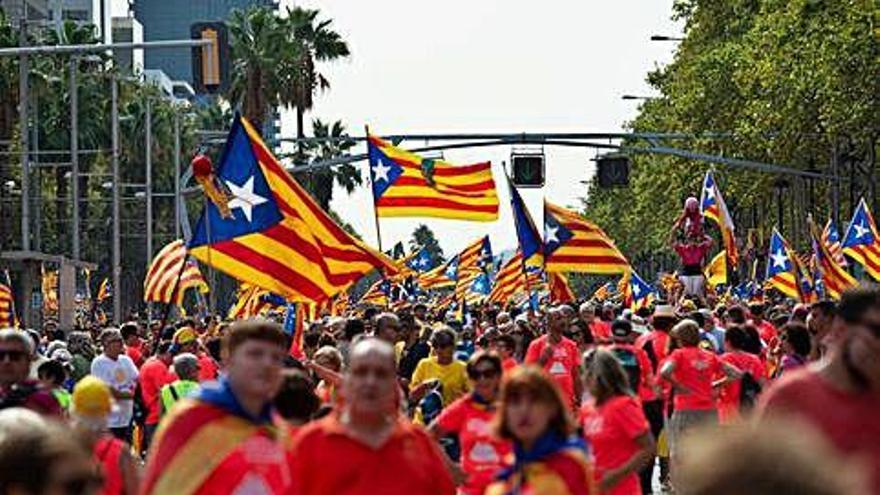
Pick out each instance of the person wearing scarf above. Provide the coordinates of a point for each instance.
(549, 458)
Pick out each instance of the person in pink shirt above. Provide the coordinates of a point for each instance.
(558, 356)
(692, 251)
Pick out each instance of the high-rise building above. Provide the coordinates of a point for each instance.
(172, 19)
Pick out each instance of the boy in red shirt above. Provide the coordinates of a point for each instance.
(558, 356)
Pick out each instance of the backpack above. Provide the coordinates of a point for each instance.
(630, 363)
(749, 390)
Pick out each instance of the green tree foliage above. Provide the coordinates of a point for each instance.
(320, 182)
(783, 81)
(423, 237)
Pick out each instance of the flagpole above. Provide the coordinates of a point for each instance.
(373, 192)
(522, 263)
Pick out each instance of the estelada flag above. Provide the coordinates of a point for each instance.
(712, 206)
(407, 185)
(277, 238)
(509, 281)
(862, 242)
(572, 244)
(560, 290)
(780, 268)
(716, 270)
(170, 275)
(835, 279)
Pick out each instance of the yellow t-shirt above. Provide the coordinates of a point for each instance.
(452, 376)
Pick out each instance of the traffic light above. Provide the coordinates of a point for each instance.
(210, 63)
(528, 170)
(612, 171)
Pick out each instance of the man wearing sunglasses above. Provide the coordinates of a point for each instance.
(16, 390)
(840, 396)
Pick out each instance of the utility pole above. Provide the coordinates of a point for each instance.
(74, 157)
(148, 193)
(117, 262)
(177, 198)
(23, 99)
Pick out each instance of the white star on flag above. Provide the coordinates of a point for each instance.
(637, 290)
(380, 172)
(861, 230)
(244, 197)
(779, 259)
(550, 236)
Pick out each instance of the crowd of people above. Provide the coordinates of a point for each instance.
(743, 397)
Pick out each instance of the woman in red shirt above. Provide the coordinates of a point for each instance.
(615, 426)
(482, 453)
(736, 340)
(691, 372)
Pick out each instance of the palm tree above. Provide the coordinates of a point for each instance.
(319, 43)
(320, 182)
(263, 56)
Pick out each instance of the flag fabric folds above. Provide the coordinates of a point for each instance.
(560, 290)
(712, 206)
(170, 264)
(716, 270)
(605, 291)
(642, 293)
(253, 301)
(378, 293)
(835, 279)
(277, 237)
(7, 305)
(104, 291)
(831, 240)
(530, 244)
(861, 241)
(444, 275)
(509, 281)
(572, 244)
(407, 185)
(780, 268)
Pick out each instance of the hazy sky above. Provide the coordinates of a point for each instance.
(489, 66)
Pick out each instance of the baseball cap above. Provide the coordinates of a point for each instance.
(621, 327)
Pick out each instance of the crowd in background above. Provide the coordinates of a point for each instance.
(749, 397)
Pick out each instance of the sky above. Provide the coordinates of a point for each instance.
(506, 66)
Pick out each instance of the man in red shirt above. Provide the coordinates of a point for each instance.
(558, 356)
(600, 329)
(154, 375)
(367, 448)
(840, 396)
(766, 329)
(134, 346)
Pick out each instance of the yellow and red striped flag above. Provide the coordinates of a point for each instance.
(509, 281)
(862, 241)
(473, 262)
(407, 185)
(560, 290)
(7, 307)
(831, 241)
(835, 278)
(170, 264)
(781, 273)
(712, 206)
(572, 244)
(252, 301)
(104, 290)
(378, 293)
(276, 236)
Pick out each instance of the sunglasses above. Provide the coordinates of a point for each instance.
(14, 356)
(487, 374)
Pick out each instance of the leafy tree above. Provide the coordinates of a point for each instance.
(423, 237)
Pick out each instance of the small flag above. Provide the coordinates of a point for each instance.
(833, 277)
(712, 206)
(7, 305)
(560, 290)
(716, 270)
(780, 269)
(831, 240)
(861, 241)
(104, 290)
(170, 275)
(643, 294)
(509, 281)
(603, 292)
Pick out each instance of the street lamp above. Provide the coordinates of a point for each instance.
(637, 97)
(661, 37)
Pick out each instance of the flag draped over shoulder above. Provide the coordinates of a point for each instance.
(407, 185)
(277, 237)
(712, 206)
(509, 281)
(781, 269)
(861, 242)
(835, 278)
(572, 244)
(716, 270)
(161, 282)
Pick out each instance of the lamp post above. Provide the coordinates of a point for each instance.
(116, 249)
(662, 37)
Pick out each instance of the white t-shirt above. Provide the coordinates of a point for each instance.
(121, 375)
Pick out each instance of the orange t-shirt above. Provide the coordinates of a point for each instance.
(561, 366)
(695, 369)
(612, 430)
(326, 459)
(728, 396)
(482, 453)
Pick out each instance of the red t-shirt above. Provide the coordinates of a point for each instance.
(659, 342)
(612, 430)
(768, 333)
(728, 396)
(694, 369)
(601, 330)
(508, 364)
(327, 459)
(482, 453)
(136, 353)
(560, 366)
(848, 420)
(153, 376)
(207, 368)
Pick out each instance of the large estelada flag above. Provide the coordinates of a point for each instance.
(407, 185)
(509, 281)
(862, 242)
(277, 238)
(712, 206)
(835, 279)
(572, 244)
(170, 264)
(781, 274)
(530, 243)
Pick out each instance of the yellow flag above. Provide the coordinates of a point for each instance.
(716, 271)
